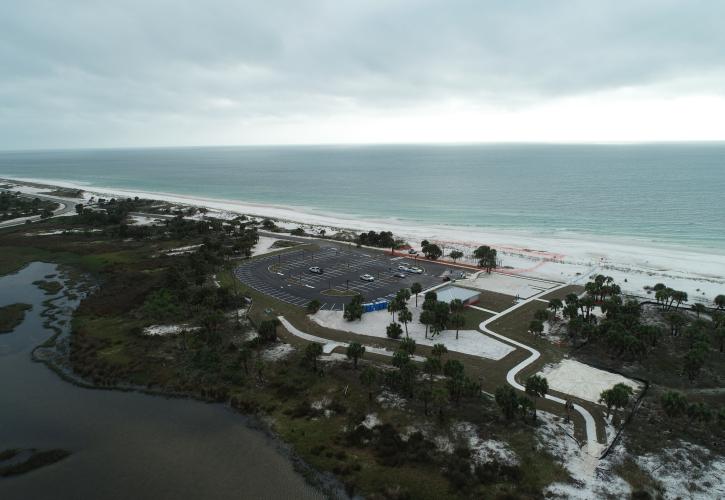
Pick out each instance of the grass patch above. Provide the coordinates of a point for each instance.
(639, 480)
(495, 301)
(12, 315)
(49, 287)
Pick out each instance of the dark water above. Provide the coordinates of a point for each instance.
(673, 193)
(124, 445)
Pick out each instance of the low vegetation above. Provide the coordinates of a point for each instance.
(12, 315)
(15, 206)
(221, 354)
(676, 348)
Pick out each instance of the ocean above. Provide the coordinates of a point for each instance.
(663, 193)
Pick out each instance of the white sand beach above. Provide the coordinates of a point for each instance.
(633, 263)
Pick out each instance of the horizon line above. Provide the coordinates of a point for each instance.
(369, 144)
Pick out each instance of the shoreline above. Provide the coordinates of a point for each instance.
(699, 271)
(53, 354)
(517, 237)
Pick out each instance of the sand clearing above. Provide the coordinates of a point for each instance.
(583, 381)
(506, 284)
(264, 245)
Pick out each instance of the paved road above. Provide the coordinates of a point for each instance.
(65, 206)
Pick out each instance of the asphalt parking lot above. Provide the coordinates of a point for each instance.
(286, 276)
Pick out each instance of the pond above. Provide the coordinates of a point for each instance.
(122, 444)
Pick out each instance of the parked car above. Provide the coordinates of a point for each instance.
(367, 277)
(316, 270)
(400, 274)
(403, 268)
(413, 251)
(415, 270)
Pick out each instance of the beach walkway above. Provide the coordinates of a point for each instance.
(594, 448)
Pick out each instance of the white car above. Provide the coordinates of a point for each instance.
(415, 270)
(403, 268)
(316, 270)
(367, 277)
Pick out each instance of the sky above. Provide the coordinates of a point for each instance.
(124, 73)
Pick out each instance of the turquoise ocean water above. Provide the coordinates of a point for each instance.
(666, 193)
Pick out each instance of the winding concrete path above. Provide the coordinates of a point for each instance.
(329, 345)
(594, 448)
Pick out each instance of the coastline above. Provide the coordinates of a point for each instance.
(53, 353)
(698, 271)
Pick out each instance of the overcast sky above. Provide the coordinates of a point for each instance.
(94, 73)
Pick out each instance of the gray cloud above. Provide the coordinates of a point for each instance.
(83, 73)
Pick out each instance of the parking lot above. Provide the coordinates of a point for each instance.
(286, 276)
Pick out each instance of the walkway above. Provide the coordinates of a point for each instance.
(329, 345)
(594, 448)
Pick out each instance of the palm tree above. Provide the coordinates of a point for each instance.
(455, 255)
(555, 305)
(415, 289)
(457, 321)
(425, 393)
(394, 330)
(662, 295)
(440, 399)
(427, 318)
(245, 355)
(676, 321)
(679, 297)
(439, 350)
(698, 308)
(673, 403)
(354, 352)
(403, 296)
(405, 316)
(312, 352)
(408, 345)
(694, 361)
(312, 306)
(507, 400)
(456, 305)
(537, 386)
(393, 307)
(616, 397)
(568, 406)
(369, 377)
(435, 329)
(720, 301)
(720, 334)
(571, 299)
(431, 367)
(536, 327)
